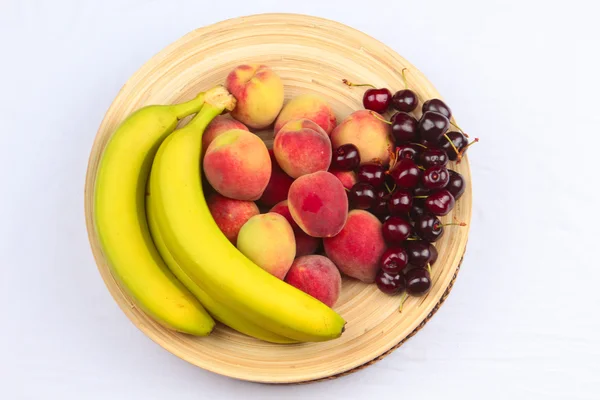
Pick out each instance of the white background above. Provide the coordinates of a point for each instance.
(523, 318)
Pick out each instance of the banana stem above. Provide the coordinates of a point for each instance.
(216, 100)
(189, 107)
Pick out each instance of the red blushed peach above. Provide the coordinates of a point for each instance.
(282, 208)
(219, 125)
(298, 124)
(307, 106)
(237, 165)
(259, 94)
(318, 203)
(370, 135)
(304, 244)
(316, 276)
(278, 186)
(348, 178)
(302, 151)
(358, 248)
(230, 215)
(268, 240)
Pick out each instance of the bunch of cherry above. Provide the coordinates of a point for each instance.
(410, 195)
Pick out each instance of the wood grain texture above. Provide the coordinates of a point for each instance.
(311, 55)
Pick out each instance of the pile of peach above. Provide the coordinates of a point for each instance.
(308, 231)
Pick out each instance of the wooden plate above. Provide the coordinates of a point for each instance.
(311, 55)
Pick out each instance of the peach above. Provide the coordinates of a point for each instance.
(316, 276)
(278, 186)
(230, 214)
(318, 203)
(307, 106)
(370, 135)
(304, 244)
(219, 125)
(282, 208)
(358, 248)
(259, 94)
(348, 178)
(268, 240)
(300, 151)
(237, 165)
(298, 124)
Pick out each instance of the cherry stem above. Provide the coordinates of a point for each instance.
(429, 269)
(404, 78)
(373, 113)
(452, 224)
(402, 300)
(347, 190)
(393, 158)
(419, 144)
(422, 168)
(413, 238)
(347, 82)
(420, 197)
(460, 155)
(459, 128)
(452, 144)
(388, 188)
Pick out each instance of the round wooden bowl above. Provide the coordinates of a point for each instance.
(311, 55)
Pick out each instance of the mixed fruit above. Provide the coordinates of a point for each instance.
(259, 238)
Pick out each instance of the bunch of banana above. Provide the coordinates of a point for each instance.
(233, 289)
(120, 219)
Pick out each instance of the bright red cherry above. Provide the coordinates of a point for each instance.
(440, 202)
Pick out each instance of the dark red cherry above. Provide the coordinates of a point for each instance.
(380, 208)
(440, 202)
(438, 106)
(433, 126)
(377, 100)
(362, 196)
(404, 128)
(432, 156)
(428, 227)
(400, 202)
(405, 173)
(393, 260)
(395, 230)
(460, 142)
(346, 157)
(456, 184)
(405, 100)
(419, 253)
(390, 283)
(418, 282)
(417, 210)
(433, 254)
(421, 190)
(411, 151)
(371, 173)
(435, 177)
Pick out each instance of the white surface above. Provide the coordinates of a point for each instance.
(522, 320)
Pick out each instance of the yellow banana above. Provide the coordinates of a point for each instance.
(219, 311)
(120, 219)
(210, 260)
